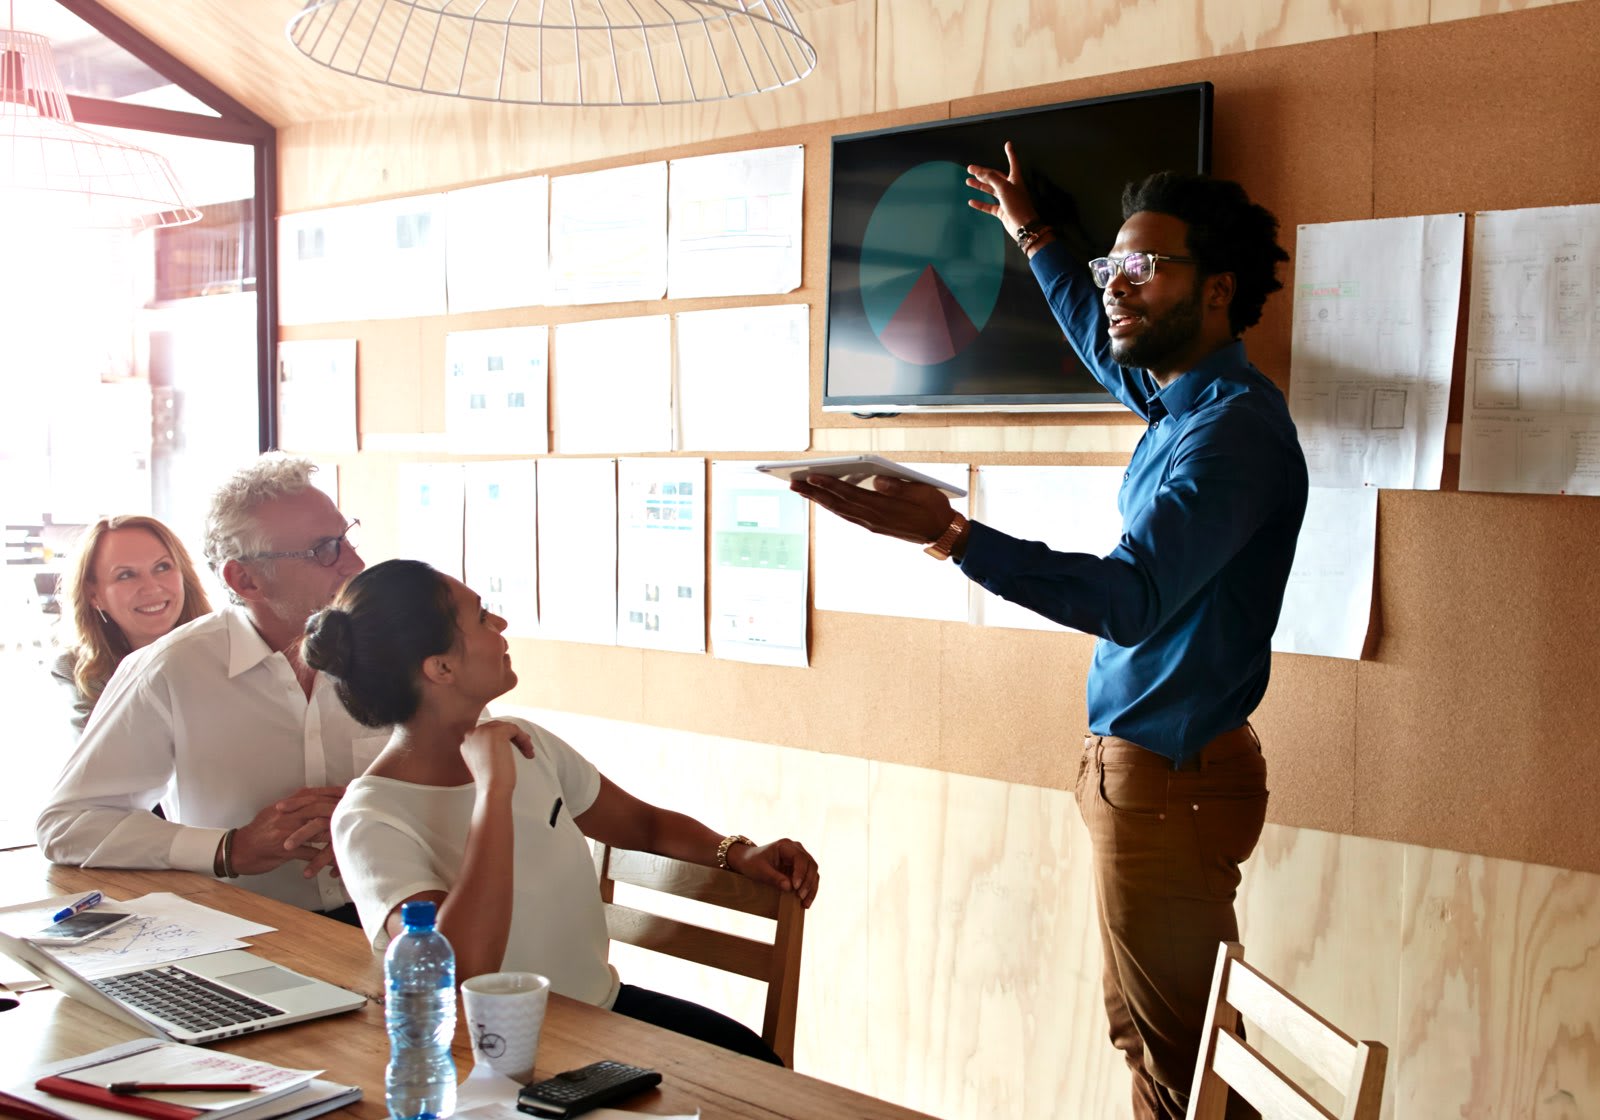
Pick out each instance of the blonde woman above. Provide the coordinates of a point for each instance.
(132, 582)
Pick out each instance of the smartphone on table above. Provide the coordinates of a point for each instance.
(77, 928)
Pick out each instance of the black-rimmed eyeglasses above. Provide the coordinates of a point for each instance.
(325, 552)
(1139, 268)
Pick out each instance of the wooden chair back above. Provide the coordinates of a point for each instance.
(1356, 1069)
(777, 963)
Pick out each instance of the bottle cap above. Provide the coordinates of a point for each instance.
(418, 914)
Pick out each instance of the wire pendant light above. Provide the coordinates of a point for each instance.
(52, 172)
(561, 52)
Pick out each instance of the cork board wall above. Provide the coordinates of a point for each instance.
(1472, 723)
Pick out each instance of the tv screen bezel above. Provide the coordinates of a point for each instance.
(892, 404)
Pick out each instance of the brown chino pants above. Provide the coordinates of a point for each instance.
(1167, 848)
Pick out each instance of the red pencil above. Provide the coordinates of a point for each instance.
(125, 1088)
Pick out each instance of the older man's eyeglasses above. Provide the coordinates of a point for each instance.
(325, 552)
(1139, 268)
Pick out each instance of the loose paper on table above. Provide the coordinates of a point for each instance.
(1531, 412)
(1328, 601)
(164, 928)
(759, 542)
(431, 514)
(661, 554)
(865, 573)
(496, 383)
(613, 385)
(501, 553)
(578, 550)
(734, 223)
(1374, 338)
(497, 250)
(744, 379)
(317, 394)
(1071, 509)
(608, 235)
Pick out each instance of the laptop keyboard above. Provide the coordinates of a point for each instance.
(190, 1001)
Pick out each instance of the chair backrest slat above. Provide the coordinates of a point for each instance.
(1259, 1082)
(689, 880)
(777, 963)
(1328, 1051)
(710, 947)
(1355, 1069)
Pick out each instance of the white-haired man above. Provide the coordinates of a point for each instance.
(245, 749)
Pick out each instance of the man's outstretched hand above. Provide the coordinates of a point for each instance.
(911, 511)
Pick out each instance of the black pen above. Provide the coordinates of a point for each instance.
(554, 809)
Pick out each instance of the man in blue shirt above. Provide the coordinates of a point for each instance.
(1171, 784)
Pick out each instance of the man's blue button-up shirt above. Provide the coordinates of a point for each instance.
(1186, 604)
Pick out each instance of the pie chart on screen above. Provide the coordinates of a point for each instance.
(931, 266)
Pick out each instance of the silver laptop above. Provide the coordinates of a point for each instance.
(196, 999)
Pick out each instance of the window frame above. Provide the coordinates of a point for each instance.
(234, 124)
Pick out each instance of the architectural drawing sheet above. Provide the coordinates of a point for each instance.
(759, 542)
(734, 223)
(319, 254)
(501, 550)
(430, 518)
(317, 395)
(1071, 509)
(865, 573)
(1374, 337)
(578, 550)
(496, 384)
(380, 260)
(608, 235)
(1328, 601)
(744, 379)
(498, 249)
(613, 385)
(661, 554)
(1531, 412)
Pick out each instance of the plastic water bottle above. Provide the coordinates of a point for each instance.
(420, 1008)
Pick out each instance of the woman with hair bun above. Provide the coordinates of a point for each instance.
(448, 798)
(131, 583)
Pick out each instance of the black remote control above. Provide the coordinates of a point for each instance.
(578, 1090)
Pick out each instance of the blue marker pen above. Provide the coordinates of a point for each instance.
(93, 898)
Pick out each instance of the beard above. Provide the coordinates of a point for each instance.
(1162, 336)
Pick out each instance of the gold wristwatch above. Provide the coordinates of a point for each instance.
(940, 549)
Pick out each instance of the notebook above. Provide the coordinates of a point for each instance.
(196, 999)
(28, 1102)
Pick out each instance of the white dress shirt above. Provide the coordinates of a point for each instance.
(211, 724)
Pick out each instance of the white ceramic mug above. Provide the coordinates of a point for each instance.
(505, 1011)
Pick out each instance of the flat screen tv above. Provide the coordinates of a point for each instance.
(930, 304)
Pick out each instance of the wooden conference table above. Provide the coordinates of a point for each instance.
(353, 1048)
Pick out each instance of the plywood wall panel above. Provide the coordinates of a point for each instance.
(1499, 996)
(1442, 10)
(983, 955)
(1320, 914)
(1009, 44)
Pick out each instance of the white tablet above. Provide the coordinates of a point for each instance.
(859, 469)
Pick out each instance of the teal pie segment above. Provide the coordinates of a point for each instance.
(931, 266)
